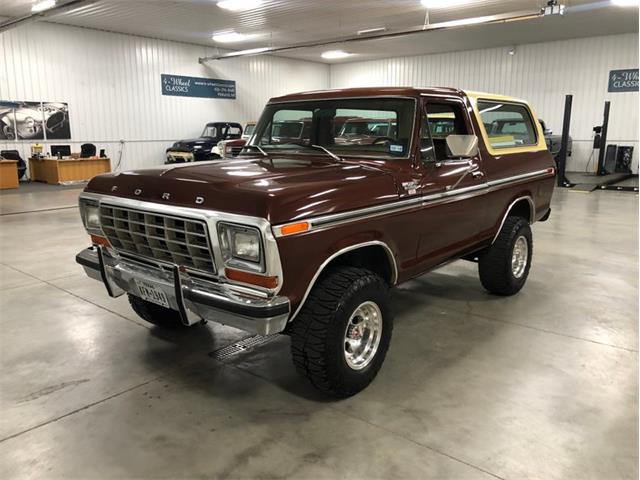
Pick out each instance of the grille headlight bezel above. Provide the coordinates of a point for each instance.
(237, 248)
(90, 214)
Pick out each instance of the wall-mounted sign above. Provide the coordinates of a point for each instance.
(180, 86)
(623, 80)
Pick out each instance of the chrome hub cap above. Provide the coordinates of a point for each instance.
(519, 257)
(362, 336)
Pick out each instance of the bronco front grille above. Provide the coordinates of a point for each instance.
(181, 241)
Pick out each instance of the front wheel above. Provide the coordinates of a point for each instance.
(504, 267)
(341, 336)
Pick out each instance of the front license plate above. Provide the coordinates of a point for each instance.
(152, 294)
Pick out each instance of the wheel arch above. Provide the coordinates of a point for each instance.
(365, 254)
(522, 206)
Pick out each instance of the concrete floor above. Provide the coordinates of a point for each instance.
(541, 385)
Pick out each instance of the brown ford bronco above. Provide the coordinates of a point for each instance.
(306, 236)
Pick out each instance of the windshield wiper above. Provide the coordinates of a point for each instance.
(258, 148)
(328, 152)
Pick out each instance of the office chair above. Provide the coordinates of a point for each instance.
(87, 150)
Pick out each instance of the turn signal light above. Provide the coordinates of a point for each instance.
(252, 278)
(98, 240)
(294, 228)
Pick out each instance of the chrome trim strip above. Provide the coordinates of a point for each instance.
(392, 259)
(506, 214)
(273, 266)
(394, 207)
(516, 178)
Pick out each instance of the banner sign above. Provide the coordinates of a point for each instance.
(623, 80)
(179, 86)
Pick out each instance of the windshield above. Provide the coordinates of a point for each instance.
(248, 130)
(371, 127)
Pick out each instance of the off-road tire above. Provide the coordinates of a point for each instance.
(156, 314)
(317, 333)
(494, 265)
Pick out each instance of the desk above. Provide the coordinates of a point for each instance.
(8, 174)
(53, 170)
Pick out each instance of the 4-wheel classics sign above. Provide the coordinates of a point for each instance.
(181, 86)
(623, 80)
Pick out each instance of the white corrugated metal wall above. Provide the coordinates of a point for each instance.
(541, 73)
(112, 85)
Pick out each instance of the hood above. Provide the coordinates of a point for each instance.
(279, 189)
(191, 143)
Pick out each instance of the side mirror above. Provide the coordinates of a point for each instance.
(462, 146)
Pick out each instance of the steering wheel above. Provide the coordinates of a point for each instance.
(383, 140)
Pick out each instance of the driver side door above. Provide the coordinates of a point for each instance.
(453, 212)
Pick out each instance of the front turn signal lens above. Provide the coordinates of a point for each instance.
(294, 228)
(98, 240)
(252, 278)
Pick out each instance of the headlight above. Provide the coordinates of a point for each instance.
(90, 212)
(241, 246)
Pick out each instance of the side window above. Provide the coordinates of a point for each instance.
(441, 120)
(507, 124)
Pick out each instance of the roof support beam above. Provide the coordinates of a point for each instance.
(490, 19)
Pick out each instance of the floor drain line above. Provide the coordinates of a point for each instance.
(241, 346)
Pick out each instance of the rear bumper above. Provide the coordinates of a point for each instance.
(195, 299)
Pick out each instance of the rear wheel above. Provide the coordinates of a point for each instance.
(341, 336)
(156, 314)
(504, 267)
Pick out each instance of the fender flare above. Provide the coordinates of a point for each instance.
(342, 251)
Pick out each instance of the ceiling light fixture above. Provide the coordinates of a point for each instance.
(239, 5)
(437, 4)
(334, 54)
(43, 5)
(369, 31)
(625, 3)
(230, 37)
(250, 51)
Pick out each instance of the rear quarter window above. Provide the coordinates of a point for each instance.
(507, 125)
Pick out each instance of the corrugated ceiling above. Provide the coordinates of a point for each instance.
(286, 22)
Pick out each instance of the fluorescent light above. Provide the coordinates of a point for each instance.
(239, 5)
(333, 54)
(436, 4)
(230, 37)
(625, 3)
(372, 30)
(43, 5)
(250, 51)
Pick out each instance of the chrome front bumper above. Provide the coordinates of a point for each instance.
(195, 299)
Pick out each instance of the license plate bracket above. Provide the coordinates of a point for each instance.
(152, 293)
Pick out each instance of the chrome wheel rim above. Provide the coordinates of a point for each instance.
(519, 257)
(362, 335)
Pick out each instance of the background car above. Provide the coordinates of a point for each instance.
(204, 147)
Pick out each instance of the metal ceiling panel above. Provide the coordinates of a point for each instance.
(286, 22)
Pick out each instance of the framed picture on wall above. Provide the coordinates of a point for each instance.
(56, 120)
(29, 121)
(7, 120)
